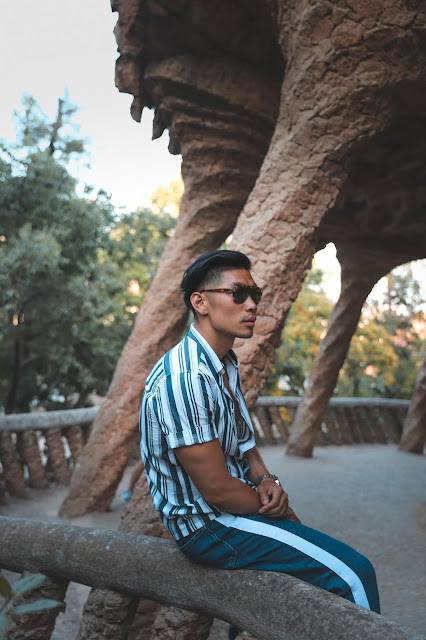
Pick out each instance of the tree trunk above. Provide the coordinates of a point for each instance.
(359, 275)
(414, 433)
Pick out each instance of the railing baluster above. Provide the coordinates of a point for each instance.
(30, 452)
(331, 427)
(39, 624)
(12, 468)
(352, 425)
(75, 439)
(276, 418)
(57, 456)
(264, 420)
(391, 426)
(345, 431)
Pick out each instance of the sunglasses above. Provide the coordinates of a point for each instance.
(240, 293)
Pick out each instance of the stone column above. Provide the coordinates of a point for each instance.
(39, 624)
(337, 93)
(414, 432)
(360, 272)
(222, 148)
(12, 468)
(116, 615)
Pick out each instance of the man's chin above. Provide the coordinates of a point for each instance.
(247, 332)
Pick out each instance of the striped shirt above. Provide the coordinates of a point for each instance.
(186, 402)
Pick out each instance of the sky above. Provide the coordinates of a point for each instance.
(52, 46)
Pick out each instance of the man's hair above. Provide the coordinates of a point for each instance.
(207, 270)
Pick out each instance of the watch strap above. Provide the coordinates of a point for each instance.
(268, 475)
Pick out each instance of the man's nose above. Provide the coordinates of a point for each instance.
(250, 303)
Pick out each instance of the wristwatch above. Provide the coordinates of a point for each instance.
(268, 475)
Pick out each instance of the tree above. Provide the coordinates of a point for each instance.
(303, 331)
(370, 363)
(66, 265)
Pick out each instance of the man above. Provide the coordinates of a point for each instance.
(207, 478)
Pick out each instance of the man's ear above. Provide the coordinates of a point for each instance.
(198, 302)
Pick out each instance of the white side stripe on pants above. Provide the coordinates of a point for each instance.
(340, 568)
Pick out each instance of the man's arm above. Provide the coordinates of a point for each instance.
(273, 497)
(205, 465)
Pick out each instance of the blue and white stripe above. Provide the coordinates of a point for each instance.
(185, 402)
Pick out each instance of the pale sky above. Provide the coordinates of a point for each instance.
(53, 45)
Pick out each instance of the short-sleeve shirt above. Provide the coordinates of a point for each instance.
(185, 402)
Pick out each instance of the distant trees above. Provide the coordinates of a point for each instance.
(72, 272)
(386, 350)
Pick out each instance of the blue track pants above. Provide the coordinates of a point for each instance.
(258, 542)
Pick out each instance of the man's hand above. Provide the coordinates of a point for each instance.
(273, 498)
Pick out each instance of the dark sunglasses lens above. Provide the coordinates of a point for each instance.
(242, 293)
(256, 294)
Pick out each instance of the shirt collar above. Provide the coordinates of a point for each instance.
(213, 360)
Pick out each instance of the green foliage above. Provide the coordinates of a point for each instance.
(301, 337)
(5, 588)
(28, 583)
(72, 272)
(370, 362)
(385, 352)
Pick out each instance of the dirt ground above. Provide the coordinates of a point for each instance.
(370, 496)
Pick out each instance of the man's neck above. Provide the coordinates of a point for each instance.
(219, 343)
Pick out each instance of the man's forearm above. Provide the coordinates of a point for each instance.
(257, 466)
(235, 497)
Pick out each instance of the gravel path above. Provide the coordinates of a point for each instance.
(370, 496)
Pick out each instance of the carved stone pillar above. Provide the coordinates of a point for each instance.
(39, 624)
(414, 432)
(336, 91)
(12, 469)
(339, 90)
(55, 446)
(223, 137)
(31, 455)
(360, 272)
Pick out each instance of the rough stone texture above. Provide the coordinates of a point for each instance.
(30, 453)
(110, 614)
(40, 624)
(346, 158)
(223, 135)
(352, 84)
(75, 439)
(414, 432)
(12, 470)
(178, 624)
(113, 615)
(55, 446)
(155, 568)
(361, 269)
(106, 615)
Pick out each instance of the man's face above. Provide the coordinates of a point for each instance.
(226, 316)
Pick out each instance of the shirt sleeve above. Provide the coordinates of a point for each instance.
(185, 409)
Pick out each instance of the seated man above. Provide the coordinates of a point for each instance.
(207, 478)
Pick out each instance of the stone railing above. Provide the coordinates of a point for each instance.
(347, 421)
(36, 448)
(41, 447)
(269, 605)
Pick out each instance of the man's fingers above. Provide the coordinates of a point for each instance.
(277, 500)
